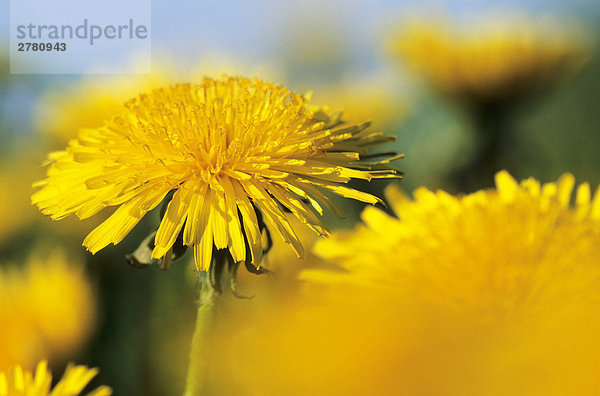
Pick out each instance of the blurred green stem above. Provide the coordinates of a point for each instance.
(196, 383)
(494, 149)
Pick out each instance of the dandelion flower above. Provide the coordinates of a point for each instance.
(47, 309)
(504, 272)
(492, 251)
(491, 66)
(496, 292)
(229, 150)
(19, 382)
(493, 60)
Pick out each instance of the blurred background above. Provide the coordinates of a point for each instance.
(468, 88)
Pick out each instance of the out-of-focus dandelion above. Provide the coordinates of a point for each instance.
(495, 292)
(47, 309)
(493, 252)
(19, 382)
(491, 65)
(494, 60)
(365, 98)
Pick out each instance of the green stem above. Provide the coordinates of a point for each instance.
(196, 383)
(494, 138)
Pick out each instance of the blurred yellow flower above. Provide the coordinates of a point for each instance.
(496, 292)
(493, 252)
(47, 309)
(229, 149)
(360, 98)
(499, 59)
(19, 382)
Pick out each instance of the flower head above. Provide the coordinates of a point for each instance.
(499, 59)
(496, 292)
(46, 309)
(491, 252)
(230, 150)
(19, 382)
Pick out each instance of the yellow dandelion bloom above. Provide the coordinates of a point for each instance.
(493, 293)
(19, 382)
(46, 309)
(498, 59)
(228, 149)
(505, 273)
(492, 251)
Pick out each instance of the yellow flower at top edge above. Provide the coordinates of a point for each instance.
(228, 149)
(490, 253)
(498, 59)
(19, 382)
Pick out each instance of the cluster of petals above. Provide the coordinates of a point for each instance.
(226, 150)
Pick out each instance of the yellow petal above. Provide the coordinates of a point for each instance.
(114, 229)
(197, 216)
(172, 221)
(203, 250)
(565, 187)
(219, 219)
(250, 223)
(238, 247)
(507, 186)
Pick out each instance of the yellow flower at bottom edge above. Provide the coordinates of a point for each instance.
(493, 293)
(19, 382)
(231, 150)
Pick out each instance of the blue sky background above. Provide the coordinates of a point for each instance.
(255, 29)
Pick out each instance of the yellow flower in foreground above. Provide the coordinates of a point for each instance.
(497, 292)
(46, 309)
(492, 252)
(228, 149)
(19, 382)
(498, 59)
